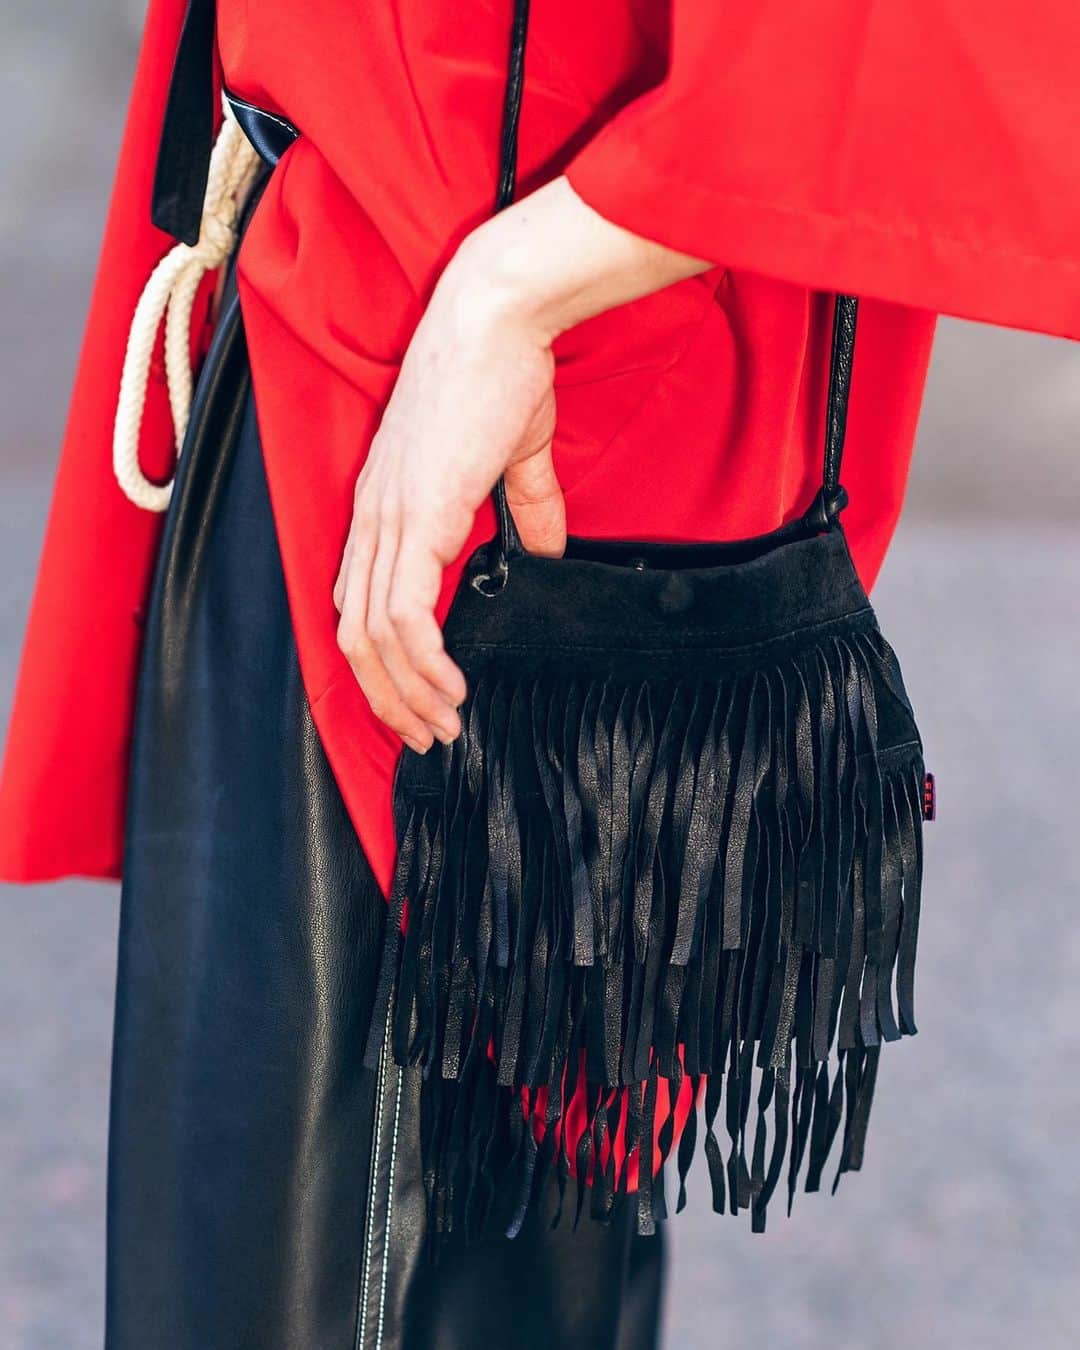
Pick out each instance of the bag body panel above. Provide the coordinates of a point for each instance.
(666, 880)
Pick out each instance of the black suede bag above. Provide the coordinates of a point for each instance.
(679, 837)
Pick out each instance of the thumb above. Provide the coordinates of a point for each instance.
(536, 500)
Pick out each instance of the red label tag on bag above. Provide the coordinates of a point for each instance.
(929, 797)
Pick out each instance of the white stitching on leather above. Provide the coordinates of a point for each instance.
(273, 117)
(379, 1085)
(389, 1211)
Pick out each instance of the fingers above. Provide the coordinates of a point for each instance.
(386, 592)
(384, 607)
(536, 499)
(415, 634)
(387, 588)
(359, 650)
(343, 570)
(472, 393)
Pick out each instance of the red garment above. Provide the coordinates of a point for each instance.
(919, 154)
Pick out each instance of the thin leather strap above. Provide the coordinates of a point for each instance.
(843, 354)
(832, 498)
(824, 511)
(515, 80)
(509, 541)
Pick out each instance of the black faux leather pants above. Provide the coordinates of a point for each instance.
(264, 1189)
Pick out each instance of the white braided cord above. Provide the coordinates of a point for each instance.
(170, 293)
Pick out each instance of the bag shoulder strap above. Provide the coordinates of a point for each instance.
(831, 499)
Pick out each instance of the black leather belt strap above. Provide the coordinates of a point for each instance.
(187, 132)
(270, 134)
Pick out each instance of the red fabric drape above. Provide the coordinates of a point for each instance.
(919, 154)
(65, 767)
(922, 152)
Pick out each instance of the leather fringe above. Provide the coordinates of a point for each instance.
(714, 880)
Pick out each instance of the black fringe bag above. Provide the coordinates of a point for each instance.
(679, 837)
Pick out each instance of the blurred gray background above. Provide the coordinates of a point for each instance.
(962, 1231)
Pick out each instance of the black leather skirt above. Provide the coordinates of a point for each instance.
(264, 1188)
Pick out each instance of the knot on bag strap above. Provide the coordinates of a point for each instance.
(170, 294)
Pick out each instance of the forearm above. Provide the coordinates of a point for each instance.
(550, 261)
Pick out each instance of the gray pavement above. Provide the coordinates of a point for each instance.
(961, 1233)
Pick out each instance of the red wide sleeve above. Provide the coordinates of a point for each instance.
(64, 775)
(923, 153)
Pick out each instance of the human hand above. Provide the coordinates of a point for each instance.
(474, 399)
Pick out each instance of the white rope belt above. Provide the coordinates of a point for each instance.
(170, 293)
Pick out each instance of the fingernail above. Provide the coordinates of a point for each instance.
(415, 745)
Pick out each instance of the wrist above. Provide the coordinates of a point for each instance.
(497, 277)
(550, 261)
(475, 310)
